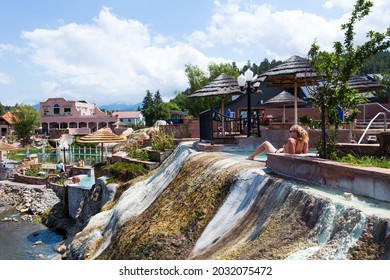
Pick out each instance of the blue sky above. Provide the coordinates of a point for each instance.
(112, 51)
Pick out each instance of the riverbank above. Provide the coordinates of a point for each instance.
(21, 206)
(30, 200)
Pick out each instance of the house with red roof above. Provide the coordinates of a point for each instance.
(6, 124)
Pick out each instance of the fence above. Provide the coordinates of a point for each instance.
(214, 125)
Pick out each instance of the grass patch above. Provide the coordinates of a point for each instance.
(369, 161)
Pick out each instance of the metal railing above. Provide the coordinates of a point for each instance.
(376, 104)
(214, 125)
(368, 126)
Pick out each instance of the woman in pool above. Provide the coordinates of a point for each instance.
(297, 143)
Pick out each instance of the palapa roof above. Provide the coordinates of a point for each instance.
(363, 84)
(294, 70)
(221, 86)
(7, 147)
(102, 135)
(283, 99)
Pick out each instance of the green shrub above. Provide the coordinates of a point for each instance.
(134, 151)
(125, 171)
(162, 141)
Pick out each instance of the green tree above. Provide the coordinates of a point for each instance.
(197, 79)
(335, 68)
(154, 108)
(26, 119)
(157, 99)
(385, 80)
(156, 112)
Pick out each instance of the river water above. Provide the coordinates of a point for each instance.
(17, 238)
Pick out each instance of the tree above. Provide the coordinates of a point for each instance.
(157, 99)
(154, 108)
(197, 79)
(26, 119)
(333, 70)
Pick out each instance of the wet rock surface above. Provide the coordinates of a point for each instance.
(29, 200)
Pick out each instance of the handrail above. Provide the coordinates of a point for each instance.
(368, 126)
(373, 103)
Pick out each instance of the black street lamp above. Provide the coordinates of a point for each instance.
(245, 84)
(64, 148)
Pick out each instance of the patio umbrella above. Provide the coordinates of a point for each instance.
(283, 99)
(119, 123)
(222, 86)
(362, 84)
(294, 72)
(4, 147)
(101, 136)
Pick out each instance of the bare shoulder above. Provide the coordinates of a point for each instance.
(292, 140)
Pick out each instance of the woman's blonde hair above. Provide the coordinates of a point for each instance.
(302, 133)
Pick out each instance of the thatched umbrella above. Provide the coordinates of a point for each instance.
(4, 147)
(222, 86)
(362, 84)
(294, 72)
(119, 124)
(101, 136)
(283, 99)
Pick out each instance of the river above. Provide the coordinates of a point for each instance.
(18, 239)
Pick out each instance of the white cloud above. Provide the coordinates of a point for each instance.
(5, 78)
(279, 34)
(260, 28)
(346, 4)
(110, 60)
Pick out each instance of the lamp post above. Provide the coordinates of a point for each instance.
(244, 81)
(64, 147)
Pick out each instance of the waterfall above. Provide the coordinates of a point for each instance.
(201, 205)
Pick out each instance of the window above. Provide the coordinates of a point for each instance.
(46, 111)
(67, 111)
(56, 109)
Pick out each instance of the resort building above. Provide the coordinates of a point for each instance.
(131, 117)
(59, 113)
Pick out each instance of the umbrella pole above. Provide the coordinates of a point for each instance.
(223, 117)
(284, 113)
(101, 154)
(296, 103)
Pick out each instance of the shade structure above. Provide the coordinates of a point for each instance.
(222, 86)
(4, 147)
(101, 136)
(294, 72)
(119, 123)
(284, 99)
(362, 84)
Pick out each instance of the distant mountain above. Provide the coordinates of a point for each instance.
(120, 107)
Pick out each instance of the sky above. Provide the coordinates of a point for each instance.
(113, 51)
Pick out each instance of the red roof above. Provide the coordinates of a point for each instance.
(7, 117)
